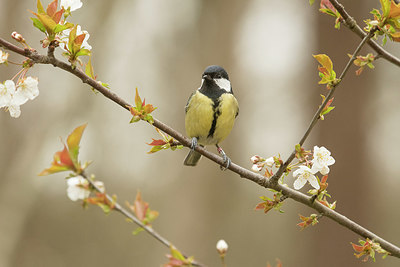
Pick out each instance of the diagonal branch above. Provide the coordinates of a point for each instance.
(353, 26)
(244, 173)
(282, 168)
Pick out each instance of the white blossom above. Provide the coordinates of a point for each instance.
(11, 99)
(3, 57)
(78, 188)
(71, 4)
(304, 174)
(222, 246)
(321, 160)
(15, 111)
(12, 96)
(28, 88)
(6, 91)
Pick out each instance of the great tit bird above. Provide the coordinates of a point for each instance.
(210, 113)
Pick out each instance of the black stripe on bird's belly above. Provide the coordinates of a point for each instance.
(217, 112)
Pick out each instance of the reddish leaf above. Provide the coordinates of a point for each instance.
(158, 142)
(57, 16)
(325, 61)
(62, 158)
(52, 8)
(394, 10)
(149, 108)
(327, 4)
(140, 207)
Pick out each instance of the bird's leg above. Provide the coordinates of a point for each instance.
(194, 143)
(227, 160)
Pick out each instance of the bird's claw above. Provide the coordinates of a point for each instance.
(226, 159)
(228, 163)
(194, 143)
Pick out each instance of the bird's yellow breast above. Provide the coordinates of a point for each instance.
(228, 108)
(201, 113)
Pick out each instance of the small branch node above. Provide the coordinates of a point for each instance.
(351, 22)
(313, 198)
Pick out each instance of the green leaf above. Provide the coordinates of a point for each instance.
(376, 13)
(138, 101)
(384, 40)
(106, 208)
(73, 141)
(89, 69)
(61, 27)
(106, 85)
(71, 38)
(385, 7)
(38, 24)
(138, 230)
(47, 22)
(40, 7)
(327, 110)
(83, 52)
(311, 2)
(54, 169)
(134, 119)
(177, 254)
(149, 118)
(328, 12)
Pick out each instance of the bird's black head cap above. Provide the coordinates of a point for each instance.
(216, 72)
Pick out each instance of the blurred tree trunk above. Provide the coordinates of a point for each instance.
(344, 134)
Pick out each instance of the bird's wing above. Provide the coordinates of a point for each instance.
(188, 101)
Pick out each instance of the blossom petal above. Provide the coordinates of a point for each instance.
(299, 183)
(72, 4)
(324, 170)
(15, 111)
(10, 86)
(313, 181)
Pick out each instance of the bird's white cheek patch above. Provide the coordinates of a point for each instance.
(223, 84)
(201, 85)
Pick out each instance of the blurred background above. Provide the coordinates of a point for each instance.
(162, 47)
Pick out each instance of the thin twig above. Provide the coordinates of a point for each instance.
(129, 215)
(244, 173)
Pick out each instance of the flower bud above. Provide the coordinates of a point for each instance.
(222, 247)
(255, 159)
(17, 37)
(257, 167)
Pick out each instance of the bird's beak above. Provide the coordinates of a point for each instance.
(207, 77)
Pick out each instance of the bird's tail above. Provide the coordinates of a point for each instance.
(192, 158)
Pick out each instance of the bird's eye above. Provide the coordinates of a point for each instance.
(218, 76)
